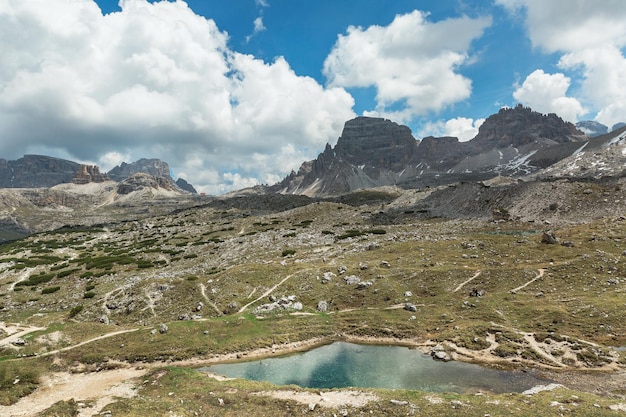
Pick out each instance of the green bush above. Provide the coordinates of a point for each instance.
(288, 252)
(75, 311)
(89, 294)
(50, 290)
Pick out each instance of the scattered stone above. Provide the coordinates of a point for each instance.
(439, 353)
(342, 269)
(398, 402)
(163, 328)
(365, 284)
(297, 306)
(104, 319)
(363, 266)
(410, 307)
(549, 238)
(408, 294)
(328, 277)
(541, 388)
(19, 342)
(352, 279)
(475, 292)
(153, 332)
(184, 317)
(272, 298)
(385, 264)
(199, 306)
(588, 191)
(322, 306)
(205, 332)
(312, 406)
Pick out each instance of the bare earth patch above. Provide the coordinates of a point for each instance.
(330, 399)
(100, 386)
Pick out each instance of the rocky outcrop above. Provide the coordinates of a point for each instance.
(89, 173)
(375, 142)
(154, 167)
(140, 181)
(185, 186)
(519, 126)
(37, 171)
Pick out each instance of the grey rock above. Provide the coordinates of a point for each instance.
(439, 353)
(163, 328)
(410, 307)
(19, 342)
(352, 279)
(549, 238)
(322, 306)
(328, 277)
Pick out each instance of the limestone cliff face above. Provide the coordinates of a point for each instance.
(89, 173)
(36, 171)
(154, 167)
(521, 126)
(376, 142)
(375, 152)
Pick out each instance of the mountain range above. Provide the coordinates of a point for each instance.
(40, 171)
(374, 152)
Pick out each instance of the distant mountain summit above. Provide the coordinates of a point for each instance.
(39, 171)
(374, 152)
(592, 128)
(154, 167)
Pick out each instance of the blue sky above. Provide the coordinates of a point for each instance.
(240, 92)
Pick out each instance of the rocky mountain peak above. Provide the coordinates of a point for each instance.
(154, 167)
(32, 171)
(518, 126)
(370, 140)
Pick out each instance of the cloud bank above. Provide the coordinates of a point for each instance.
(413, 63)
(155, 80)
(591, 37)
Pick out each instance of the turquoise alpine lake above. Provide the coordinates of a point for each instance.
(342, 364)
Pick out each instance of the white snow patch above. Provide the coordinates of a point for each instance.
(579, 150)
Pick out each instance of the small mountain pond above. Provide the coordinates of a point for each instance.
(341, 365)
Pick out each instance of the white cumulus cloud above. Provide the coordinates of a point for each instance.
(591, 36)
(546, 93)
(412, 63)
(155, 80)
(462, 128)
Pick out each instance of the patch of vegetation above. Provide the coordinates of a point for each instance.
(50, 290)
(17, 380)
(35, 280)
(76, 310)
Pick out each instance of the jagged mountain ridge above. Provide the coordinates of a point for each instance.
(375, 152)
(40, 171)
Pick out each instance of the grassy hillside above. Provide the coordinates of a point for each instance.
(490, 292)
